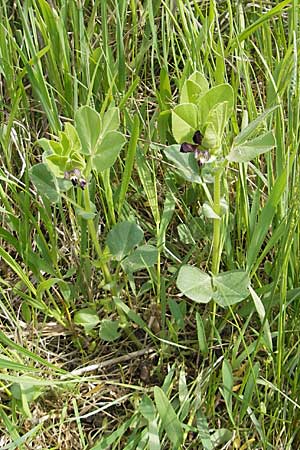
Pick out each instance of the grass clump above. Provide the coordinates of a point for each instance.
(149, 204)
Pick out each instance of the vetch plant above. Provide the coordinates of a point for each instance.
(198, 125)
(92, 145)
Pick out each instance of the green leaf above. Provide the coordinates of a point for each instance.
(227, 387)
(202, 342)
(216, 122)
(169, 419)
(57, 164)
(193, 88)
(218, 94)
(185, 163)
(195, 284)
(74, 141)
(122, 239)
(247, 132)
(147, 408)
(230, 287)
(29, 390)
(251, 149)
(88, 127)
(109, 330)
(107, 151)
(184, 122)
(265, 219)
(86, 215)
(87, 318)
(111, 120)
(203, 430)
(44, 181)
(143, 256)
(252, 374)
(185, 234)
(220, 437)
(259, 306)
(148, 411)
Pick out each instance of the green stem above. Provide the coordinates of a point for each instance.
(216, 244)
(93, 234)
(216, 224)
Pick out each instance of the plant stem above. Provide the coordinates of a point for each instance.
(217, 223)
(93, 234)
(216, 245)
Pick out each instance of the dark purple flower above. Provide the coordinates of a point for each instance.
(188, 148)
(197, 138)
(202, 156)
(82, 183)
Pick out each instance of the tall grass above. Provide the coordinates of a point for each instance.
(188, 377)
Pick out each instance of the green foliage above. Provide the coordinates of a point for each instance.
(88, 326)
(45, 181)
(87, 318)
(226, 288)
(109, 330)
(169, 419)
(93, 143)
(122, 239)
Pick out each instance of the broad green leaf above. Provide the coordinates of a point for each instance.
(169, 419)
(193, 88)
(109, 330)
(208, 211)
(230, 287)
(184, 122)
(57, 148)
(74, 141)
(110, 121)
(57, 164)
(64, 142)
(122, 239)
(185, 163)
(107, 151)
(143, 256)
(195, 284)
(87, 318)
(44, 181)
(191, 92)
(247, 132)
(88, 127)
(218, 94)
(251, 149)
(216, 122)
